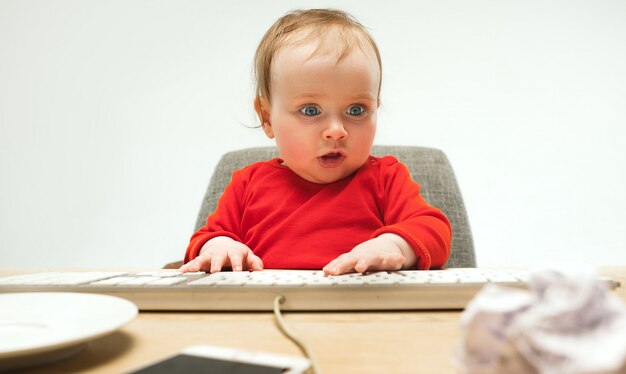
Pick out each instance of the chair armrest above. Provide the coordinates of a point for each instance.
(173, 265)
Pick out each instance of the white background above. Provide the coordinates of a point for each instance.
(114, 113)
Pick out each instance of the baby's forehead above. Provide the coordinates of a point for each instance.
(336, 42)
(302, 70)
(297, 54)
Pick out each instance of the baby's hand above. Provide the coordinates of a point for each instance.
(385, 252)
(223, 251)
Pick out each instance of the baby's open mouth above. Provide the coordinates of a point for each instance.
(332, 155)
(332, 159)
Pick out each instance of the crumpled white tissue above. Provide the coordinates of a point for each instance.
(566, 322)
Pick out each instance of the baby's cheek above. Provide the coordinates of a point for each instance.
(294, 150)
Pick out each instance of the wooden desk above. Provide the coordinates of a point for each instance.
(381, 342)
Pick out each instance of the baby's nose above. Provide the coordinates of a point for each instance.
(335, 130)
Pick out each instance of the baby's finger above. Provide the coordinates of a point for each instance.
(217, 261)
(381, 262)
(202, 263)
(341, 265)
(193, 265)
(362, 265)
(236, 260)
(253, 262)
(184, 268)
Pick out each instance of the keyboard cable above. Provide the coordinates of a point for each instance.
(282, 325)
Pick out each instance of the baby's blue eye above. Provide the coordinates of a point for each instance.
(310, 111)
(356, 110)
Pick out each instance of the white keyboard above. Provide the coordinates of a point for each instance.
(303, 290)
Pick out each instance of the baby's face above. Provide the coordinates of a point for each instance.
(323, 112)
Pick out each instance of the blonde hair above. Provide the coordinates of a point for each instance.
(300, 26)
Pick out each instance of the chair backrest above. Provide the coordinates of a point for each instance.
(428, 166)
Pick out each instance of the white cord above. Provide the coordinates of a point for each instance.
(282, 325)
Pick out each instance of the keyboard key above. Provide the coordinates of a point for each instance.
(160, 274)
(167, 281)
(137, 281)
(112, 281)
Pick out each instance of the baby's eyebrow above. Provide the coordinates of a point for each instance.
(307, 95)
(365, 96)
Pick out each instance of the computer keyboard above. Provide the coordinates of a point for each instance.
(255, 291)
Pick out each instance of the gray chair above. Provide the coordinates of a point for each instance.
(429, 167)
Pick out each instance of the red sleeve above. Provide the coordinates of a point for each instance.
(224, 221)
(407, 214)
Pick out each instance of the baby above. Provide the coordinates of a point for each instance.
(325, 203)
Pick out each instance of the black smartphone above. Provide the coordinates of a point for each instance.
(219, 360)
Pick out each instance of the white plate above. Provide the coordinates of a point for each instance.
(38, 327)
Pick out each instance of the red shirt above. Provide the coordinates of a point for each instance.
(291, 223)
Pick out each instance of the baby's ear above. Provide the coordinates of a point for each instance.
(263, 109)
